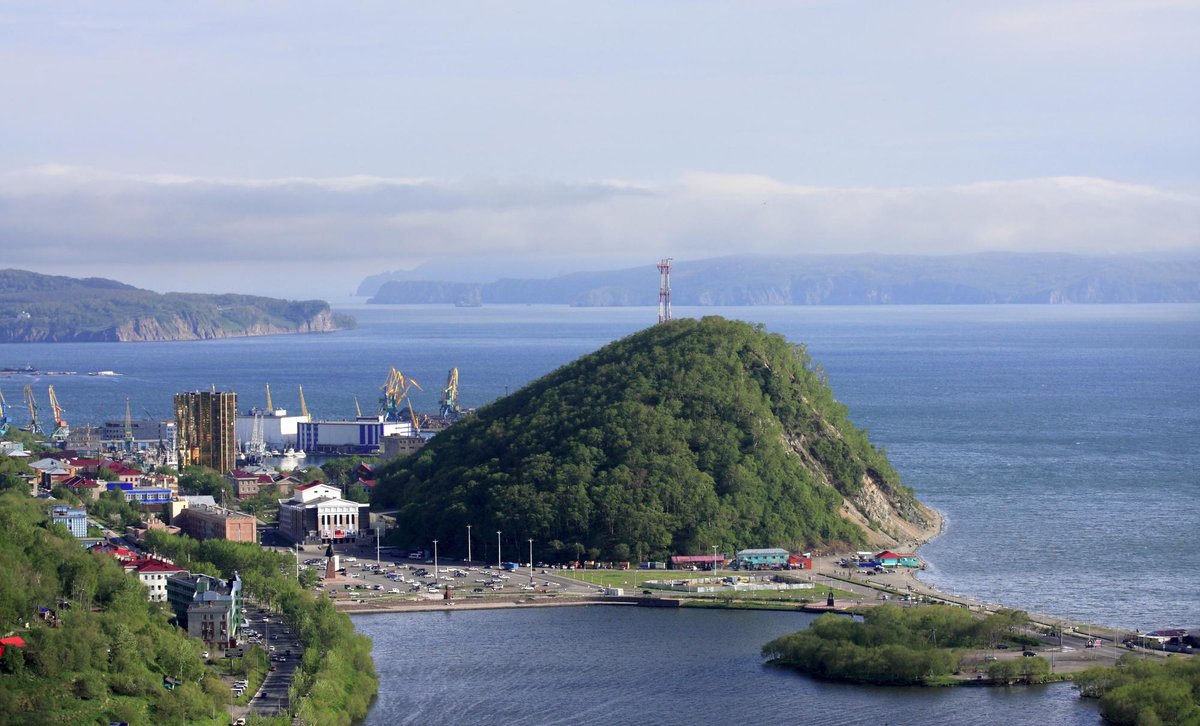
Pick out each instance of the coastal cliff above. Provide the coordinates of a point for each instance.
(49, 309)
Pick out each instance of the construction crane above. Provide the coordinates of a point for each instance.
(34, 427)
(3, 415)
(448, 404)
(395, 392)
(61, 429)
(304, 406)
(270, 408)
(357, 408)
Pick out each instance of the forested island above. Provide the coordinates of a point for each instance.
(867, 279)
(905, 647)
(684, 436)
(38, 308)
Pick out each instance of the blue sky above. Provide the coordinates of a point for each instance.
(154, 141)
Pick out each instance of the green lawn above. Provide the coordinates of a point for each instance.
(634, 580)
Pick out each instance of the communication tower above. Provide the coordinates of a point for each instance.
(664, 289)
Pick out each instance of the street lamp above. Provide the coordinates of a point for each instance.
(435, 566)
(714, 558)
(531, 562)
(498, 560)
(468, 545)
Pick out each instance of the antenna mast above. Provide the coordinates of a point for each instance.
(664, 289)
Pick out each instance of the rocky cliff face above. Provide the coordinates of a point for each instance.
(186, 327)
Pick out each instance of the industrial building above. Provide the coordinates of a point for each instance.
(361, 436)
(206, 429)
(317, 513)
(208, 608)
(278, 429)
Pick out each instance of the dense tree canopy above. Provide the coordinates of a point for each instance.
(1138, 691)
(892, 645)
(686, 435)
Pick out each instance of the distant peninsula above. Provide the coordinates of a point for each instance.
(977, 279)
(37, 308)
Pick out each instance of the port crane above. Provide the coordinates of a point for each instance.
(270, 408)
(304, 406)
(3, 415)
(395, 392)
(61, 429)
(34, 427)
(448, 404)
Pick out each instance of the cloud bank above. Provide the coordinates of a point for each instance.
(72, 218)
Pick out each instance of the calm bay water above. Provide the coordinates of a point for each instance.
(1060, 442)
(606, 665)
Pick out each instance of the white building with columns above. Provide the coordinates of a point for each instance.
(317, 513)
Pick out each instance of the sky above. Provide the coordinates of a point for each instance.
(291, 149)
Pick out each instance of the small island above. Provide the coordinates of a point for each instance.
(934, 645)
(37, 308)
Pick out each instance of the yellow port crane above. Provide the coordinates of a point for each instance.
(3, 415)
(304, 406)
(412, 416)
(357, 408)
(270, 408)
(34, 427)
(61, 429)
(448, 403)
(395, 392)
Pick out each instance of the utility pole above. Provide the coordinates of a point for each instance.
(531, 562)
(468, 545)
(435, 562)
(499, 561)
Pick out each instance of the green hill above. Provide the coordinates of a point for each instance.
(49, 308)
(683, 436)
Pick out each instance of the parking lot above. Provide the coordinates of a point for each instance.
(399, 578)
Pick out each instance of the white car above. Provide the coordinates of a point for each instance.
(394, 591)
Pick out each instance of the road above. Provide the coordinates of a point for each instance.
(273, 694)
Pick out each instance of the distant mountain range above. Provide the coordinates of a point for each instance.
(47, 308)
(987, 278)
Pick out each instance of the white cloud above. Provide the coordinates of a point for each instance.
(69, 219)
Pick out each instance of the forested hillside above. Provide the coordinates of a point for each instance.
(687, 435)
(106, 660)
(49, 308)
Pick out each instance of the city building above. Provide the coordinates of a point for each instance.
(145, 434)
(209, 521)
(396, 445)
(74, 520)
(154, 575)
(317, 513)
(142, 495)
(762, 559)
(205, 429)
(207, 607)
(248, 484)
